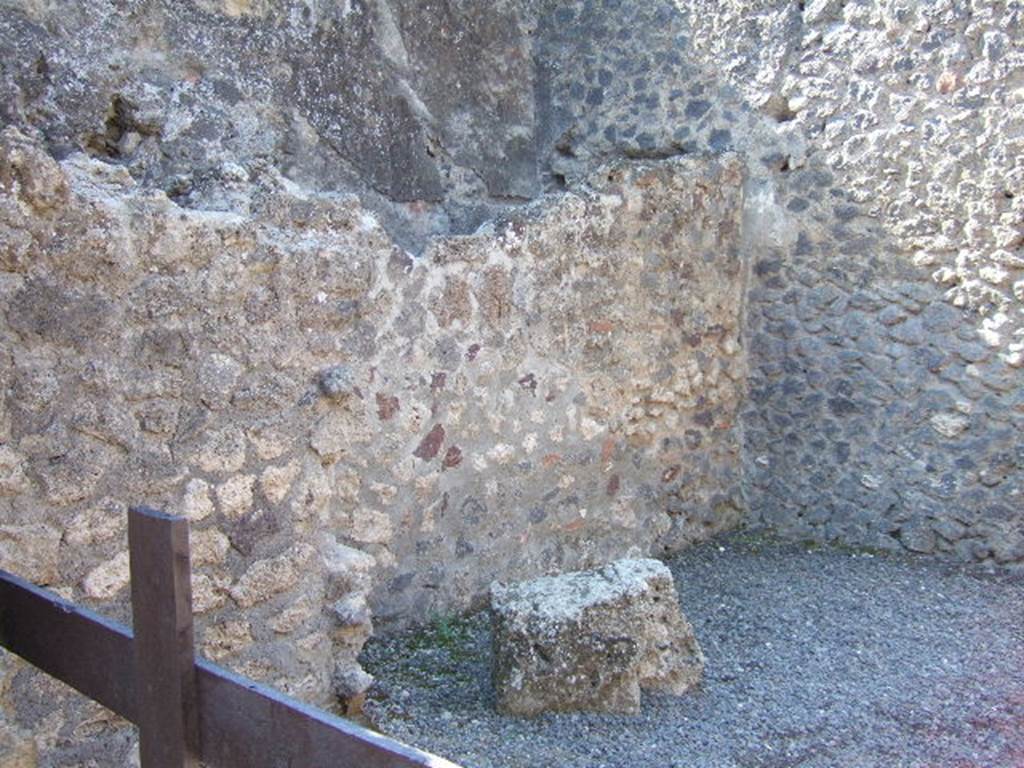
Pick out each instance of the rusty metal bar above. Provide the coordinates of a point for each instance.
(74, 645)
(165, 673)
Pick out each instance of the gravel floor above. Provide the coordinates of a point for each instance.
(815, 657)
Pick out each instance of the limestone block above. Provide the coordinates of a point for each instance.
(949, 424)
(591, 640)
(223, 452)
(269, 439)
(216, 380)
(12, 472)
(226, 639)
(270, 577)
(350, 682)
(208, 593)
(294, 616)
(328, 440)
(275, 482)
(106, 580)
(196, 505)
(348, 569)
(235, 495)
(209, 546)
(98, 523)
(30, 551)
(352, 610)
(32, 175)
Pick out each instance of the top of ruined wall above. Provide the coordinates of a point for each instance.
(426, 110)
(440, 116)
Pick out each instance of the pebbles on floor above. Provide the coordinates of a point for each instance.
(816, 658)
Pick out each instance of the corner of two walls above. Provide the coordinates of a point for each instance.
(878, 414)
(886, 334)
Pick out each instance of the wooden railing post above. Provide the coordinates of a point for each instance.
(165, 673)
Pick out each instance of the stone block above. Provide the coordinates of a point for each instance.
(270, 577)
(31, 551)
(107, 579)
(591, 640)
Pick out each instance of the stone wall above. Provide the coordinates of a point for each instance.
(392, 299)
(887, 337)
(352, 432)
(425, 111)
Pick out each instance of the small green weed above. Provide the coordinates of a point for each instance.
(448, 633)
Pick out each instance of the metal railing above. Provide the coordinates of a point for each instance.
(187, 710)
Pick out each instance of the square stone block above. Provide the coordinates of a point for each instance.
(591, 640)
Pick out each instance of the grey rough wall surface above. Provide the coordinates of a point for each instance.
(426, 110)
